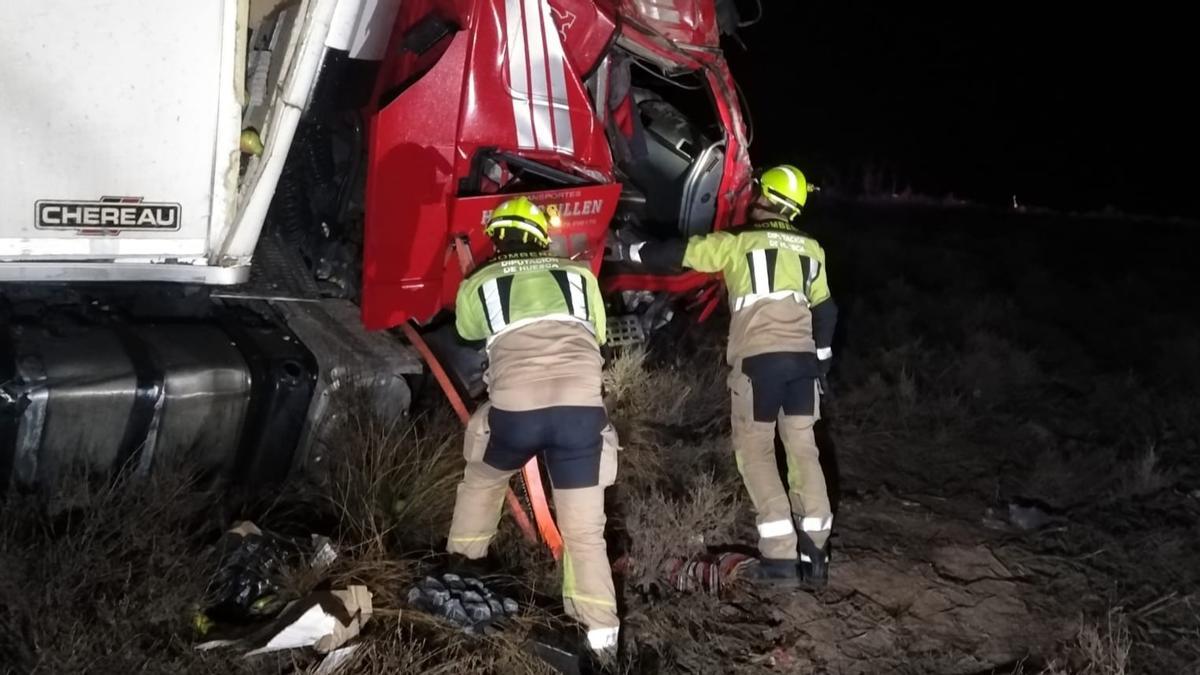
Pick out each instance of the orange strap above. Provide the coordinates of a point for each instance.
(541, 509)
(439, 373)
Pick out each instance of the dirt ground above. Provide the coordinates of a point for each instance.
(1010, 435)
(1011, 428)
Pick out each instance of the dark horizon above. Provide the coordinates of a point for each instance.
(1067, 110)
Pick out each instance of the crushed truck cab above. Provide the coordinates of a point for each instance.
(213, 213)
(562, 101)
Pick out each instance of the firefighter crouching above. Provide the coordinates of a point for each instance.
(544, 321)
(780, 334)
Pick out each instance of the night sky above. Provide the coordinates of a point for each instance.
(1072, 110)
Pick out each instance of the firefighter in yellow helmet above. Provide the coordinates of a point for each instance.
(780, 346)
(543, 320)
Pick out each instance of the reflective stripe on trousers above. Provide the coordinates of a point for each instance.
(602, 638)
(776, 528)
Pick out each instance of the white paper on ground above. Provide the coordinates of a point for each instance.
(313, 625)
(306, 623)
(335, 659)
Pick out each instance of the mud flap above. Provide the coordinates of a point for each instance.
(348, 356)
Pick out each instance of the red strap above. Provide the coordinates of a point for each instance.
(714, 299)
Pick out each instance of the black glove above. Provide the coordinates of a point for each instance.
(823, 366)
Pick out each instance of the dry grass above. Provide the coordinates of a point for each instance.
(1099, 476)
(1105, 647)
(1099, 648)
(1147, 476)
(664, 526)
(392, 482)
(679, 494)
(393, 487)
(671, 420)
(680, 490)
(106, 577)
(645, 400)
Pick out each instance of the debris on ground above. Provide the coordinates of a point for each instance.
(1031, 514)
(246, 584)
(464, 601)
(324, 553)
(247, 607)
(336, 660)
(707, 573)
(323, 620)
(1024, 514)
(252, 565)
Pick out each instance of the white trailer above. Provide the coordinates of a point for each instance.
(120, 124)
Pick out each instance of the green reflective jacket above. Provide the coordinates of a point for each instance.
(516, 289)
(761, 259)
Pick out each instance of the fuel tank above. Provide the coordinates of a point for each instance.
(242, 396)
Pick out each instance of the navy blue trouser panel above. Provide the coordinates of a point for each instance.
(567, 438)
(781, 381)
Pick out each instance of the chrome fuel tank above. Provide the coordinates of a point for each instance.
(124, 397)
(244, 395)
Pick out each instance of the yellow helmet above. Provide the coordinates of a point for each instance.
(786, 187)
(521, 215)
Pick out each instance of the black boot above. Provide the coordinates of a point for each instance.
(774, 572)
(456, 563)
(600, 662)
(569, 653)
(814, 563)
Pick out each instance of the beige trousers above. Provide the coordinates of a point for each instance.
(587, 589)
(780, 513)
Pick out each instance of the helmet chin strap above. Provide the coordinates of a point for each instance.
(765, 205)
(783, 206)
